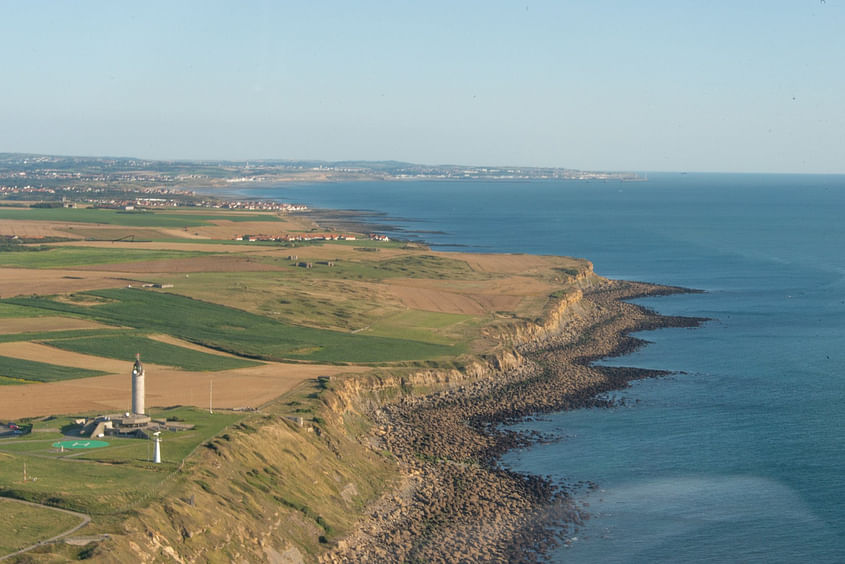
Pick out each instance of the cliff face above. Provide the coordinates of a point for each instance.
(270, 489)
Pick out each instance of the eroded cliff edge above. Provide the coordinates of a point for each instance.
(400, 465)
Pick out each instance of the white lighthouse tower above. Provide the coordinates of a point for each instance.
(138, 386)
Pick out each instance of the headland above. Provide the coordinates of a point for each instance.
(360, 384)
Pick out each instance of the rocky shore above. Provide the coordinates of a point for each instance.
(455, 502)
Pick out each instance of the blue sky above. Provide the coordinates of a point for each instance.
(746, 86)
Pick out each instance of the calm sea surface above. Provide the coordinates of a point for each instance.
(740, 455)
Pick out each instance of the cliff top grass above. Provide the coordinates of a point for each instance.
(397, 306)
(104, 481)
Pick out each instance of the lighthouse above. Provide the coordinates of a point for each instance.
(138, 386)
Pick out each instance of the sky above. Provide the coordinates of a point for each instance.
(650, 85)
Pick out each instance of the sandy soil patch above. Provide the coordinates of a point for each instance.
(508, 264)
(183, 233)
(243, 387)
(516, 285)
(225, 229)
(25, 281)
(109, 233)
(428, 299)
(26, 229)
(37, 324)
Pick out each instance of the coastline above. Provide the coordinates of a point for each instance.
(455, 502)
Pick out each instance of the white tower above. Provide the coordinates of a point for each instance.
(157, 448)
(138, 386)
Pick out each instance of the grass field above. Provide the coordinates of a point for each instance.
(425, 326)
(49, 335)
(238, 331)
(24, 525)
(68, 257)
(105, 480)
(12, 311)
(128, 219)
(415, 266)
(26, 370)
(123, 346)
(333, 304)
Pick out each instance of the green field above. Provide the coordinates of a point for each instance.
(123, 346)
(30, 371)
(107, 480)
(24, 525)
(68, 257)
(11, 311)
(238, 331)
(127, 219)
(61, 334)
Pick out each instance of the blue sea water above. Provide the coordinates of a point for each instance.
(737, 456)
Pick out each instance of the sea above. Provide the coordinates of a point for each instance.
(738, 454)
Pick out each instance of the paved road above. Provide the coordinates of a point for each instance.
(85, 520)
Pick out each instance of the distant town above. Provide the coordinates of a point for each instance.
(139, 183)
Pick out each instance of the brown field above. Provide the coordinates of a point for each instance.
(165, 386)
(109, 233)
(34, 229)
(38, 324)
(224, 229)
(428, 299)
(24, 281)
(512, 264)
(467, 297)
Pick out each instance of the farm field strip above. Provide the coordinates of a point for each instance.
(162, 218)
(238, 331)
(37, 371)
(75, 256)
(10, 325)
(242, 387)
(122, 346)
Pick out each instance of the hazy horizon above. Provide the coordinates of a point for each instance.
(318, 160)
(664, 86)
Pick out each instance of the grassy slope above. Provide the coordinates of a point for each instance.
(24, 525)
(271, 479)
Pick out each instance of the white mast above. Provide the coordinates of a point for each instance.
(157, 449)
